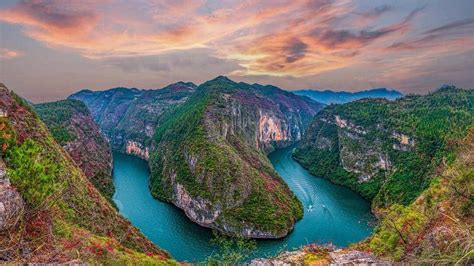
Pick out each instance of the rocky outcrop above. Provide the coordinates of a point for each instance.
(209, 159)
(321, 255)
(75, 130)
(197, 209)
(11, 202)
(405, 143)
(138, 149)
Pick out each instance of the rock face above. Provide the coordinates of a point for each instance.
(135, 148)
(75, 130)
(386, 150)
(209, 157)
(129, 117)
(11, 203)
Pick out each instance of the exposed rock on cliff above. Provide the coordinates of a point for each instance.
(135, 148)
(73, 127)
(129, 117)
(386, 150)
(209, 157)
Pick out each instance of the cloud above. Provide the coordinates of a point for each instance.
(376, 12)
(451, 26)
(9, 54)
(296, 50)
(293, 38)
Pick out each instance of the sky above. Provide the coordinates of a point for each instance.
(52, 48)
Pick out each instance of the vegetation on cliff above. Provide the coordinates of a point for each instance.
(131, 115)
(65, 219)
(73, 127)
(437, 227)
(387, 151)
(414, 158)
(209, 158)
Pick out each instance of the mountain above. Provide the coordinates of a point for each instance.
(387, 150)
(73, 127)
(128, 117)
(223, 178)
(414, 159)
(338, 97)
(50, 211)
(209, 157)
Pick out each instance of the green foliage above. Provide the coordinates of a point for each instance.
(33, 172)
(56, 116)
(230, 251)
(437, 227)
(398, 229)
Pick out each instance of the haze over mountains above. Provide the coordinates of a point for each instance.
(329, 96)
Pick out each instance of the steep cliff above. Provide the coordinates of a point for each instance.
(129, 117)
(436, 228)
(73, 127)
(61, 216)
(209, 158)
(387, 151)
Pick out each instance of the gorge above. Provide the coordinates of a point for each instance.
(332, 213)
(226, 157)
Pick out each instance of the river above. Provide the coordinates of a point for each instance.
(332, 213)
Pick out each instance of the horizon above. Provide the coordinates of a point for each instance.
(321, 90)
(51, 49)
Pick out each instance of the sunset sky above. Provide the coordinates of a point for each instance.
(52, 48)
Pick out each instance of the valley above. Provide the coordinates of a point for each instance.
(256, 133)
(225, 157)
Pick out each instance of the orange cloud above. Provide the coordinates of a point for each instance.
(265, 37)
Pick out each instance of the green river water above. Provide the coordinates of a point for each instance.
(332, 213)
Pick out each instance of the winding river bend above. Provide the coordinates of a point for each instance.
(332, 213)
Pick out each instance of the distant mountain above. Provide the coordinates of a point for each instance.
(328, 96)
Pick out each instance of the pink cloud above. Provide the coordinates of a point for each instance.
(9, 54)
(279, 38)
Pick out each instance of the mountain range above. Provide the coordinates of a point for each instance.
(338, 97)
